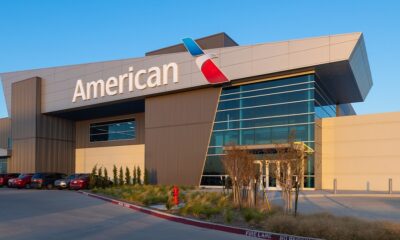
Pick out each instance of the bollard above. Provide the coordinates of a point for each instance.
(335, 186)
(390, 186)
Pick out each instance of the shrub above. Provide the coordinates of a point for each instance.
(115, 176)
(92, 178)
(146, 177)
(134, 175)
(139, 176)
(127, 176)
(253, 215)
(121, 177)
(327, 226)
(106, 183)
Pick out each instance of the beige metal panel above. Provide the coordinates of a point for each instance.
(361, 151)
(178, 129)
(106, 157)
(83, 132)
(318, 154)
(5, 132)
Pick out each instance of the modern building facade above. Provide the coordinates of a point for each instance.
(159, 112)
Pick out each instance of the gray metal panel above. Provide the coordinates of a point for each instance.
(218, 40)
(236, 62)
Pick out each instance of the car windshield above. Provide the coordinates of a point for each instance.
(72, 176)
(37, 175)
(22, 176)
(83, 176)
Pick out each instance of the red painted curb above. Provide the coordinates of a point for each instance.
(202, 224)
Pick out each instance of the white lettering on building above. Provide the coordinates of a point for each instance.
(139, 80)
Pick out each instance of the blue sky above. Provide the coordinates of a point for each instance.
(35, 34)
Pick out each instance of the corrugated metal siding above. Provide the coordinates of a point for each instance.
(5, 132)
(40, 142)
(178, 129)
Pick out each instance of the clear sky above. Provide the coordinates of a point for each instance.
(35, 34)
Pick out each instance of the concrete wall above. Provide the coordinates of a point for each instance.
(361, 152)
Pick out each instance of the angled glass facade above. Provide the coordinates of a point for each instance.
(262, 113)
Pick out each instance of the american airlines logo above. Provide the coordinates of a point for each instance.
(205, 63)
(152, 77)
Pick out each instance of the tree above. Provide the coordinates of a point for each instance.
(92, 177)
(139, 176)
(239, 165)
(290, 160)
(146, 177)
(99, 180)
(134, 176)
(106, 178)
(121, 176)
(115, 176)
(127, 176)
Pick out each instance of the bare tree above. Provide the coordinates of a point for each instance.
(290, 159)
(239, 165)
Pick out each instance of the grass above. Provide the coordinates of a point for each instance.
(218, 207)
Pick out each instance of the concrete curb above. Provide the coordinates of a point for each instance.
(198, 223)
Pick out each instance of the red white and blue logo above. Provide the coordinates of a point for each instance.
(204, 61)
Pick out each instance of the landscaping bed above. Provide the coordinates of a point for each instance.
(218, 208)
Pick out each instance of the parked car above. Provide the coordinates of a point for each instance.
(22, 181)
(82, 182)
(45, 180)
(64, 182)
(7, 176)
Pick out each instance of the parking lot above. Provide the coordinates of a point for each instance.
(44, 214)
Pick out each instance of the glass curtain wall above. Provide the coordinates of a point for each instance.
(262, 113)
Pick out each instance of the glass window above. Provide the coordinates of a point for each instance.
(111, 131)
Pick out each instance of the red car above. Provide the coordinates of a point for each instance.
(81, 182)
(7, 176)
(22, 181)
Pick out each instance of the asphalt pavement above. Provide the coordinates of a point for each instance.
(54, 214)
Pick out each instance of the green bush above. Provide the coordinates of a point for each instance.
(92, 178)
(115, 176)
(127, 176)
(253, 215)
(121, 176)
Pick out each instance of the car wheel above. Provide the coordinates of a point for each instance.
(49, 186)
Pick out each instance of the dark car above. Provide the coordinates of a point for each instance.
(45, 180)
(64, 182)
(82, 182)
(7, 176)
(22, 181)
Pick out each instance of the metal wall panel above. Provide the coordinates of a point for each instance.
(40, 142)
(238, 63)
(178, 129)
(5, 132)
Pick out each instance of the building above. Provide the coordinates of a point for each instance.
(159, 112)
